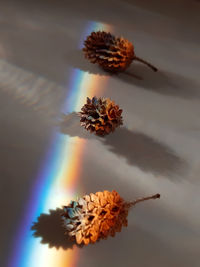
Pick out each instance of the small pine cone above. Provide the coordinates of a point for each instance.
(97, 216)
(112, 53)
(100, 115)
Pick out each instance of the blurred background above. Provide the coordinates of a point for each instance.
(46, 159)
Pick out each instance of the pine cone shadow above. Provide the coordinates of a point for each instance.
(137, 148)
(162, 82)
(49, 228)
(144, 152)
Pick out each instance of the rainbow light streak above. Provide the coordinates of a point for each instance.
(57, 180)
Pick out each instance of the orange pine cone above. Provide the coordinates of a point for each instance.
(97, 216)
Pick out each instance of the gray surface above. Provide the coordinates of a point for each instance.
(158, 150)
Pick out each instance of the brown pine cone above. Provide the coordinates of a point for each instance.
(97, 216)
(112, 53)
(100, 115)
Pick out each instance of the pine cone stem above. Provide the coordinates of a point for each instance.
(133, 203)
(146, 63)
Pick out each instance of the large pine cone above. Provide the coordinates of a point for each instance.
(97, 216)
(100, 115)
(112, 53)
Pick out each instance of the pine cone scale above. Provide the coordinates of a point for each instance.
(100, 115)
(97, 216)
(112, 54)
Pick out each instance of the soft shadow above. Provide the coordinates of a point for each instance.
(162, 82)
(49, 228)
(137, 148)
(143, 151)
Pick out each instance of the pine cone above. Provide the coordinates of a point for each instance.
(100, 115)
(112, 53)
(97, 216)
